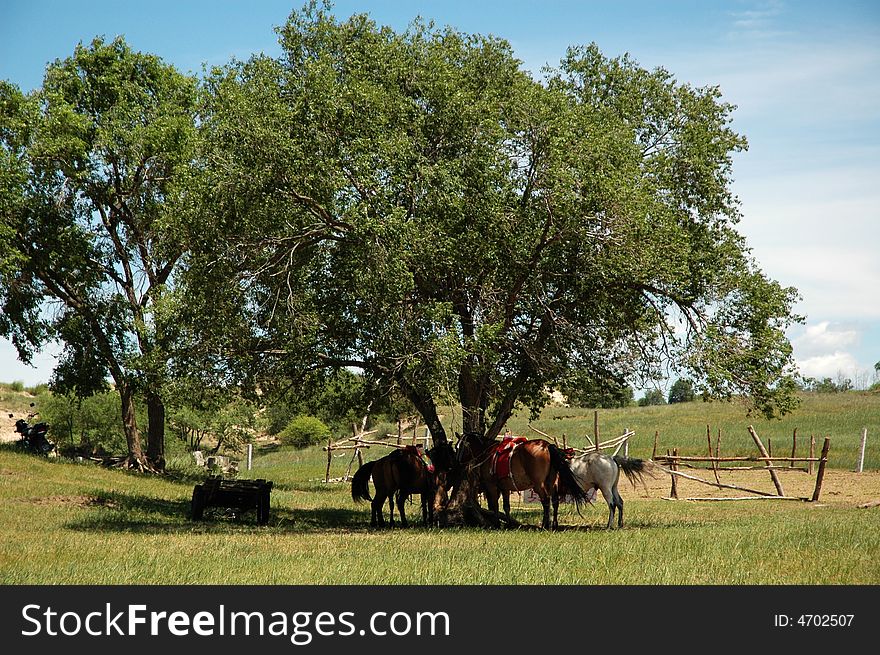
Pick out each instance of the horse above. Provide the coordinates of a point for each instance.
(397, 475)
(535, 464)
(594, 470)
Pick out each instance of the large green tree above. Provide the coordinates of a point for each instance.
(419, 206)
(90, 167)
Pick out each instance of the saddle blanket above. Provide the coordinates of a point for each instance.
(422, 455)
(502, 454)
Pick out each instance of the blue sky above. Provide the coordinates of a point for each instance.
(804, 75)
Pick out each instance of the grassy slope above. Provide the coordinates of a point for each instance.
(68, 523)
(683, 426)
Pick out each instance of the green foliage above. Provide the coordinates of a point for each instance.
(234, 425)
(339, 398)
(827, 385)
(304, 431)
(484, 233)
(92, 172)
(17, 386)
(652, 397)
(682, 391)
(210, 417)
(583, 391)
(92, 423)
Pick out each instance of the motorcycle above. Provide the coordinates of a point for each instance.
(33, 437)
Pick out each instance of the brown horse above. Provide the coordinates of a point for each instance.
(535, 464)
(396, 476)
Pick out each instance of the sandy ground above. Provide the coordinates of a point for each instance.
(7, 425)
(839, 487)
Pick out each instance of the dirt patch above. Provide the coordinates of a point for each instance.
(839, 488)
(74, 501)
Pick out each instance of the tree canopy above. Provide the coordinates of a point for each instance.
(419, 206)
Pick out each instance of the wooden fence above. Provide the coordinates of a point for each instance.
(673, 462)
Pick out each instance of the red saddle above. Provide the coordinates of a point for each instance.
(501, 456)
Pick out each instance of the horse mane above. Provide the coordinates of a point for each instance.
(568, 484)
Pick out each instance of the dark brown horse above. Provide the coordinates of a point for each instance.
(535, 464)
(396, 476)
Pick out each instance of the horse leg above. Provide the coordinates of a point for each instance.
(612, 503)
(376, 518)
(554, 499)
(492, 492)
(505, 498)
(401, 499)
(427, 509)
(391, 511)
(619, 502)
(545, 503)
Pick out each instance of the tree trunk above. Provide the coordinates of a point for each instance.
(156, 431)
(472, 395)
(425, 406)
(129, 424)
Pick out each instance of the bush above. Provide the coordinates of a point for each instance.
(17, 386)
(304, 431)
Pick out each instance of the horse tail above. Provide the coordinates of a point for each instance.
(568, 484)
(633, 468)
(359, 483)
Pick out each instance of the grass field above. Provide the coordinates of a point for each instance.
(840, 416)
(69, 523)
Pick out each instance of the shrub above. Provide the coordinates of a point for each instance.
(304, 431)
(17, 386)
(682, 391)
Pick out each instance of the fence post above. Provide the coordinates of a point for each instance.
(861, 464)
(793, 448)
(821, 474)
(250, 456)
(674, 491)
(656, 439)
(812, 452)
(596, 428)
(329, 459)
(773, 476)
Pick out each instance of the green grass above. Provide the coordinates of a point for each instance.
(80, 524)
(68, 523)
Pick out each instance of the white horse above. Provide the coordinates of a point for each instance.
(593, 470)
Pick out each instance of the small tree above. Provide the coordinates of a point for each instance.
(652, 397)
(682, 391)
(304, 431)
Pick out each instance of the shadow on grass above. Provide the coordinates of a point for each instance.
(133, 513)
(119, 512)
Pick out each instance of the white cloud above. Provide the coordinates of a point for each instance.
(821, 338)
(828, 366)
